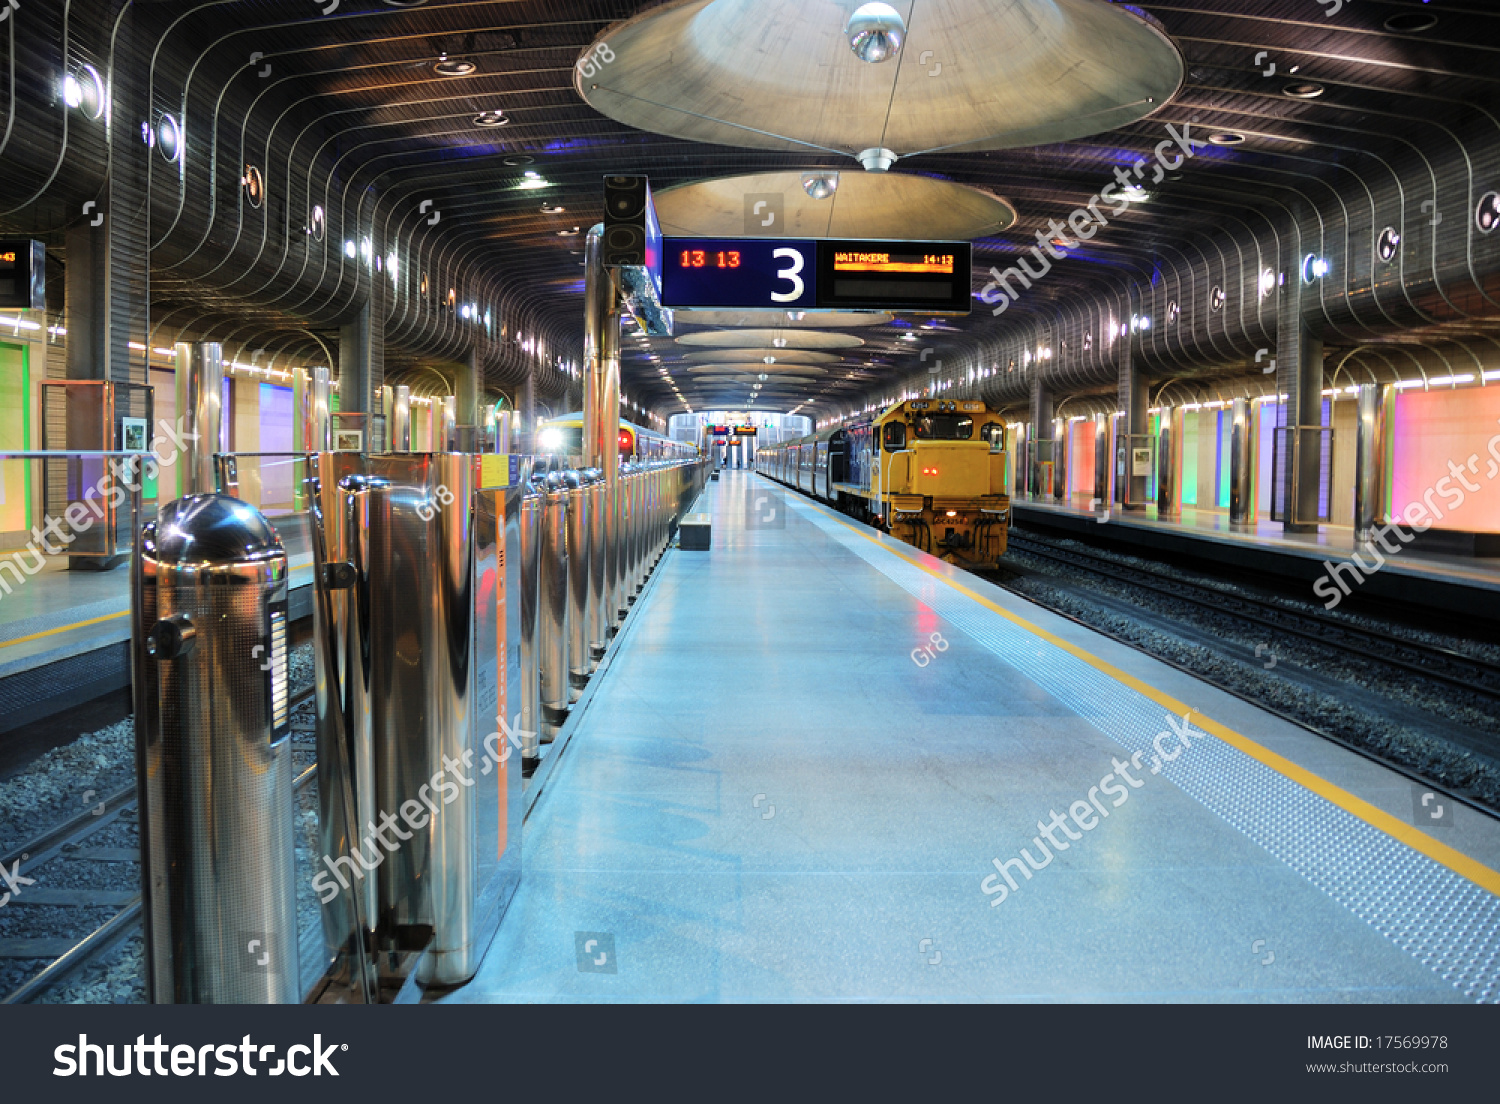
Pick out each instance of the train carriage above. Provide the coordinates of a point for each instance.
(928, 471)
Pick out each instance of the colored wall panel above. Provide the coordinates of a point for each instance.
(1434, 429)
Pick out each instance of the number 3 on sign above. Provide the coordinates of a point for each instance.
(789, 273)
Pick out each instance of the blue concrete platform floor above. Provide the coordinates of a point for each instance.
(816, 750)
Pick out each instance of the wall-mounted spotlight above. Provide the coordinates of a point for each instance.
(254, 186)
(168, 137)
(1314, 268)
(1388, 243)
(1487, 214)
(84, 91)
(1216, 298)
(1267, 282)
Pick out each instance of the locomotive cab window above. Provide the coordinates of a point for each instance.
(944, 427)
(894, 436)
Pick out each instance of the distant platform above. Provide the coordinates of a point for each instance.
(64, 635)
(812, 765)
(1462, 584)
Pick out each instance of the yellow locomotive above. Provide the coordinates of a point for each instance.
(931, 472)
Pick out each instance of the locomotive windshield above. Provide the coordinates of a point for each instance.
(944, 427)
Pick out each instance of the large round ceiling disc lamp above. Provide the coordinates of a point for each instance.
(777, 319)
(758, 356)
(971, 74)
(789, 339)
(876, 207)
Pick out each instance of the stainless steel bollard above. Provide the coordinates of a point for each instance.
(532, 505)
(579, 581)
(218, 864)
(552, 628)
(598, 634)
(419, 644)
(621, 542)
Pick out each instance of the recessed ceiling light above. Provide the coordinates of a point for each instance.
(1411, 22)
(1303, 90)
(568, 233)
(1216, 298)
(491, 119)
(547, 210)
(454, 67)
(521, 159)
(1226, 138)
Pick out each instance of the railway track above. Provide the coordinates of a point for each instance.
(71, 838)
(1269, 615)
(1471, 674)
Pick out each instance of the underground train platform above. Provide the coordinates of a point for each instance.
(516, 509)
(827, 767)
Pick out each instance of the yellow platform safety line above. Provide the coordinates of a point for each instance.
(1455, 860)
(65, 628)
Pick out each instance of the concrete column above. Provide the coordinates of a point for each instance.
(466, 378)
(1135, 403)
(200, 383)
(1241, 465)
(359, 370)
(1299, 376)
(525, 438)
(1040, 452)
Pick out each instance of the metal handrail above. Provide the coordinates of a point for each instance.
(885, 469)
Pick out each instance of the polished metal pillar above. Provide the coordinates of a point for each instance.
(1241, 464)
(1101, 462)
(504, 430)
(532, 505)
(200, 389)
(601, 401)
(1369, 459)
(552, 614)
(400, 430)
(579, 578)
(1060, 460)
(317, 415)
(599, 619)
(1168, 448)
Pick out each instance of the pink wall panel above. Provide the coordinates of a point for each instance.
(1436, 427)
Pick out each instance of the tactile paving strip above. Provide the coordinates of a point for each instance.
(1440, 918)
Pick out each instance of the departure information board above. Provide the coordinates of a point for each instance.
(23, 275)
(826, 274)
